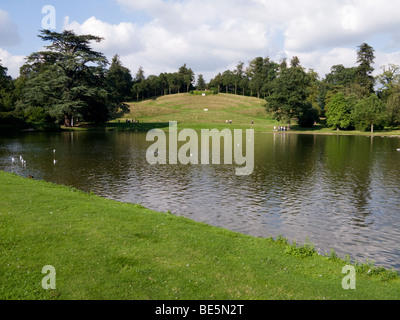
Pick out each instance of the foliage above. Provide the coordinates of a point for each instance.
(365, 58)
(199, 93)
(119, 80)
(201, 84)
(339, 111)
(301, 251)
(6, 90)
(369, 113)
(308, 117)
(393, 109)
(289, 95)
(68, 79)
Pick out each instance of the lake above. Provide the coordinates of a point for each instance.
(338, 192)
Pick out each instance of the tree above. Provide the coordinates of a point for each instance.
(238, 76)
(339, 111)
(119, 79)
(201, 84)
(340, 76)
(288, 99)
(392, 108)
(365, 58)
(68, 79)
(139, 84)
(187, 76)
(389, 78)
(257, 77)
(368, 113)
(217, 82)
(6, 90)
(227, 80)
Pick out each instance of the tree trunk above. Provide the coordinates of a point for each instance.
(372, 127)
(67, 121)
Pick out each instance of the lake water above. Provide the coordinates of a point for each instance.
(338, 192)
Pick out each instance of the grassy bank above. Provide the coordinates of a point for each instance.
(102, 249)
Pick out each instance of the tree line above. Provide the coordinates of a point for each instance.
(345, 99)
(69, 81)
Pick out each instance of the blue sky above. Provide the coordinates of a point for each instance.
(211, 36)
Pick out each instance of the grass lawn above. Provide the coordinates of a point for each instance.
(103, 249)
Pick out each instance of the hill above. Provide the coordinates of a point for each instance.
(190, 109)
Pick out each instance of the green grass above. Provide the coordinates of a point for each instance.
(188, 111)
(103, 249)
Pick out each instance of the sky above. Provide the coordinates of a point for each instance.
(209, 36)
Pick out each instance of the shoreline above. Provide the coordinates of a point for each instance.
(127, 242)
(146, 126)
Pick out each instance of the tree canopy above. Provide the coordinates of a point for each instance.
(68, 80)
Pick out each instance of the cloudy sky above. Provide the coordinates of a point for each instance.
(210, 36)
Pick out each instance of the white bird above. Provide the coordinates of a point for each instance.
(23, 162)
(54, 161)
(20, 158)
(12, 159)
(398, 149)
(54, 150)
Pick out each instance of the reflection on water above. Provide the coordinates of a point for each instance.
(339, 192)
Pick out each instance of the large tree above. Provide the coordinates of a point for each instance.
(363, 76)
(68, 79)
(120, 80)
(288, 99)
(201, 84)
(369, 112)
(339, 111)
(187, 76)
(6, 90)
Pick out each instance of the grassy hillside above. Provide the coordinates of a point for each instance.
(103, 249)
(190, 109)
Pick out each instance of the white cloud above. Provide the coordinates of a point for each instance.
(9, 35)
(123, 37)
(210, 36)
(12, 63)
(336, 23)
(322, 61)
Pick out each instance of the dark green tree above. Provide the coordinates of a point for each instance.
(187, 76)
(119, 79)
(217, 82)
(256, 75)
(341, 76)
(363, 76)
(288, 99)
(6, 90)
(201, 84)
(339, 111)
(368, 113)
(68, 79)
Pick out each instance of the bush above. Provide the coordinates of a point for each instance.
(9, 121)
(309, 116)
(199, 93)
